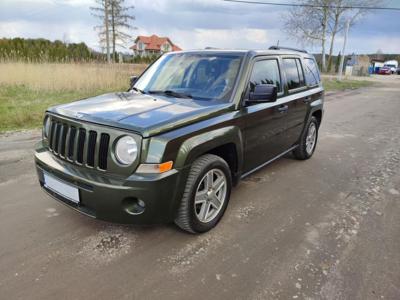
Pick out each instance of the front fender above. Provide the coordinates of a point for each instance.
(202, 143)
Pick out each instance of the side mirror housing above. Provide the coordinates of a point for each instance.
(132, 81)
(263, 93)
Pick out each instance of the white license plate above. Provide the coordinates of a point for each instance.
(66, 190)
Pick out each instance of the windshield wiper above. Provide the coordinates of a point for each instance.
(172, 94)
(138, 90)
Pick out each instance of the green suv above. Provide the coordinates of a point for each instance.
(189, 128)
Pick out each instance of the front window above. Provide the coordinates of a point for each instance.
(201, 76)
(266, 72)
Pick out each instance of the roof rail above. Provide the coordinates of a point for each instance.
(287, 48)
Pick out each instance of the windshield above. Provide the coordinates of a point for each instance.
(198, 76)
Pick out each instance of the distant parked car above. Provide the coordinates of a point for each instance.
(385, 71)
(398, 71)
(392, 65)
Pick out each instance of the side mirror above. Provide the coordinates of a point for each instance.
(263, 93)
(132, 81)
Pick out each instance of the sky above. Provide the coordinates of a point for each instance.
(191, 24)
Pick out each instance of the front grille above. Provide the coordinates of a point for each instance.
(85, 147)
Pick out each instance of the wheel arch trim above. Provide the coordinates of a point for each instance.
(203, 143)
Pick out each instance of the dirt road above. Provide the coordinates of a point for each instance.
(326, 228)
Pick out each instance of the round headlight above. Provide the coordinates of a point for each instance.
(126, 150)
(46, 127)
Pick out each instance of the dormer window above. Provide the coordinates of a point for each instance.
(166, 47)
(140, 46)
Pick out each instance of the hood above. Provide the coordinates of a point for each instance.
(145, 114)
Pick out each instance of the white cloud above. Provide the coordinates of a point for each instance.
(230, 38)
(191, 24)
(21, 2)
(54, 2)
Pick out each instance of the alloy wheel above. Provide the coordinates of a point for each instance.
(311, 138)
(210, 195)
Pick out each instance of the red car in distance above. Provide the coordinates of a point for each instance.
(385, 71)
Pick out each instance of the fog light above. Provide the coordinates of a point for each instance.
(133, 206)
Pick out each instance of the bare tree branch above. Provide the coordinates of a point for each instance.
(119, 20)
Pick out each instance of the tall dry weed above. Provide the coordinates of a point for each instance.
(68, 76)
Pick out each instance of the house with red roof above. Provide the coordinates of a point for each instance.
(150, 45)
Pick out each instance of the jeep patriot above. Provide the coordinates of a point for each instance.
(189, 128)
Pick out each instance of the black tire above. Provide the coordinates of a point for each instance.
(301, 151)
(186, 217)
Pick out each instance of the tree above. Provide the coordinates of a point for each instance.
(120, 20)
(379, 54)
(102, 12)
(337, 62)
(116, 19)
(309, 24)
(340, 12)
(335, 18)
(322, 19)
(42, 50)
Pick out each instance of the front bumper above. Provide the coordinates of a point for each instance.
(112, 198)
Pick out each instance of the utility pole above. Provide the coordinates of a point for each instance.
(343, 50)
(106, 23)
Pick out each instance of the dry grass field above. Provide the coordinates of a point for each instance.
(27, 89)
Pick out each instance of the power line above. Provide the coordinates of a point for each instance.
(314, 5)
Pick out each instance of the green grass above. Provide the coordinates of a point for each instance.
(23, 108)
(336, 85)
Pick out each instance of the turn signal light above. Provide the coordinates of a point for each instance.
(155, 168)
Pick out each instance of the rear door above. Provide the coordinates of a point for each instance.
(297, 98)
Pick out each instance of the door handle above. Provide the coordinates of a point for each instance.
(307, 99)
(283, 108)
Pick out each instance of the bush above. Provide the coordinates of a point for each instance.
(42, 50)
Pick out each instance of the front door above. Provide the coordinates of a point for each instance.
(265, 123)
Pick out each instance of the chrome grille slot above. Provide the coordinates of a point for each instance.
(52, 134)
(71, 143)
(91, 148)
(57, 138)
(103, 151)
(81, 145)
(64, 131)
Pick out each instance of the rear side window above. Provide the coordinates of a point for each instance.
(311, 72)
(266, 72)
(294, 73)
